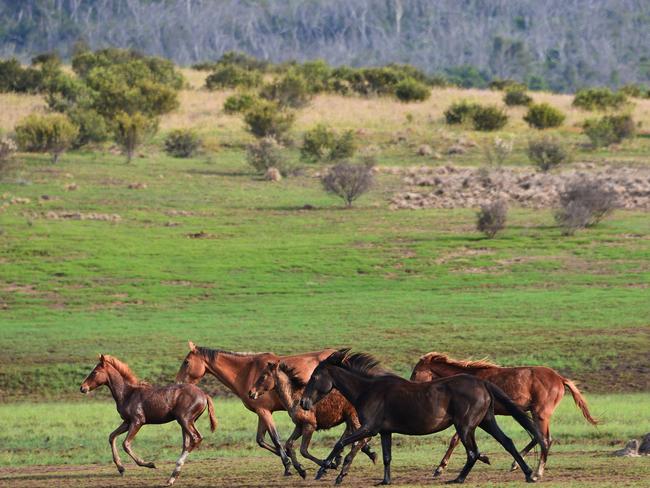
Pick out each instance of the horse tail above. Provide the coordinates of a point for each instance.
(517, 413)
(213, 418)
(581, 403)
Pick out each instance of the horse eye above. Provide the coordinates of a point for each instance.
(186, 362)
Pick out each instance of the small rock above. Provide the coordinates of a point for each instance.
(71, 187)
(425, 150)
(272, 174)
(456, 149)
(631, 449)
(137, 186)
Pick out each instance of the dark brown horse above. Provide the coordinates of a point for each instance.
(238, 371)
(331, 411)
(533, 388)
(139, 403)
(388, 404)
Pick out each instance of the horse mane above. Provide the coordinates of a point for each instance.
(212, 354)
(436, 357)
(359, 362)
(296, 382)
(124, 370)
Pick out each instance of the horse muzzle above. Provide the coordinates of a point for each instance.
(84, 389)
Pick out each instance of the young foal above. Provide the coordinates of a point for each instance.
(139, 403)
(533, 388)
(331, 411)
(387, 403)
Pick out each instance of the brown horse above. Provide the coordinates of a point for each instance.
(238, 371)
(533, 388)
(331, 411)
(139, 403)
(387, 404)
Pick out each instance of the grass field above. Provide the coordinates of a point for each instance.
(210, 252)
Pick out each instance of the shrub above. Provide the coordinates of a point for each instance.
(93, 128)
(290, 90)
(53, 133)
(492, 218)
(636, 91)
(232, 76)
(460, 112)
(544, 116)
(317, 74)
(598, 99)
(239, 103)
(489, 118)
(411, 90)
(507, 84)
(584, 202)
(610, 129)
(348, 181)
(131, 131)
(497, 151)
(514, 97)
(264, 154)
(547, 153)
(182, 143)
(7, 149)
(323, 144)
(267, 119)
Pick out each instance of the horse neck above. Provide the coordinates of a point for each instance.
(286, 393)
(120, 389)
(445, 369)
(350, 384)
(227, 368)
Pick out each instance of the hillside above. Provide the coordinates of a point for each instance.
(555, 44)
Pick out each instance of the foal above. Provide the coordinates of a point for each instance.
(139, 403)
(387, 403)
(331, 411)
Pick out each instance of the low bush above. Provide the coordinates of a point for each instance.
(239, 103)
(491, 219)
(411, 90)
(323, 144)
(497, 151)
(348, 180)
(93, 128)
(514, 97)
(544, 116)
(610, 129)
(489, 118)
(52, 133)
(290, 90)
(506, 84)
(547, 152)
(584, 202)
(267, 119)
(264, 154)
(599, 99)
(636, 91)
(460, 112)
(232, 76)
(182, 143)
(7, 149)
(130, 131)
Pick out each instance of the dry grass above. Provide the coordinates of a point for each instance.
(16, 106)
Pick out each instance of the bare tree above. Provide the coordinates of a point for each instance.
(348, 181)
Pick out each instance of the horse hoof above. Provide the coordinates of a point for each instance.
(437, 472)
(456, 481)
(150, 465)
(514, 467)
(171, 481)
(484, 459)
(320, 473)
(120, 470)
(531, 479)
(302, 473)
(339, 479)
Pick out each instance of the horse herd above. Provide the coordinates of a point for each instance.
(323, 389)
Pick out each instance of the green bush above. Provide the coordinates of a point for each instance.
(239, 103)
(547, 153)
(264, 154)
(52, 133)
(460, 112)
(514, 97)
(610, 129)
(182, 143)
(317, 75)
(544, 116)
(232, 76)
(323, 144)
(507, 85)
(131, 130)
(599, 99)
(290, 90)
(93, 128)
(268, 119)
(636, 91)
(411, 90)
(489, 118)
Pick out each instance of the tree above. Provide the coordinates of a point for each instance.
(131, 131)
(348, 181)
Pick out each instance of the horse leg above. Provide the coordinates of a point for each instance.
(455, 439)
(265, 424)
(297, 432)
(111, 440)
(545, 428)
(356, 436)
(386, 444)
(187, 447)
(489, 425)
(347, 462)
(529, 446)
(307, 433)
(133, 430)
(466, 435)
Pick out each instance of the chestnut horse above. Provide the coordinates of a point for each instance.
(139, 403)
(387, 404)
(331, 411)
(238, 371)
(537, 389)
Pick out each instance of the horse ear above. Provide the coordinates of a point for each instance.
(272, 366)
(102, 358)
(192, 346)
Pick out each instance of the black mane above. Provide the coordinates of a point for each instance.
(359, 362)
(296, 382)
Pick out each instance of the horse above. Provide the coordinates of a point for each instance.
(238, 371)
(139, 403)
(387, 404)
(331, 411)
(537, 389)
